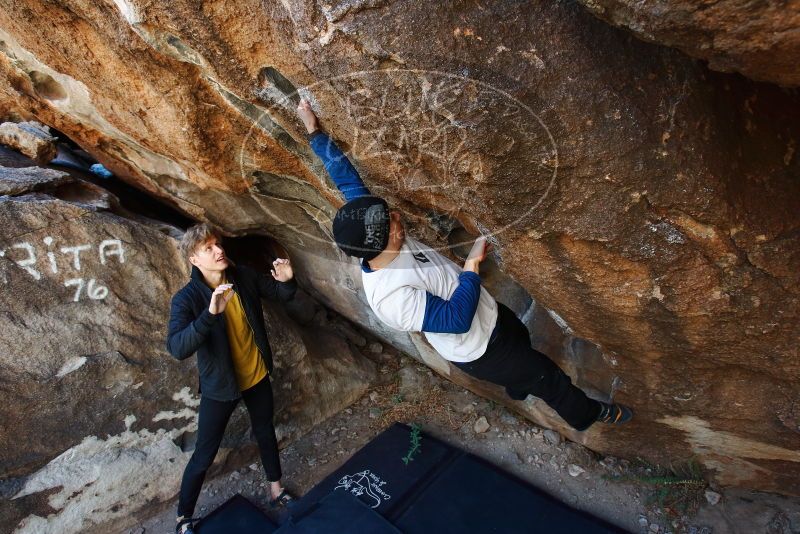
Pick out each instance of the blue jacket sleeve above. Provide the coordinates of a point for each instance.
(271, 289)
(341, 171)
(186, 333)
(454, 316)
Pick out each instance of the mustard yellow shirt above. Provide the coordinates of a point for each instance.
(247, 361)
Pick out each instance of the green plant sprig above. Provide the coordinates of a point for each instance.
(415, 446)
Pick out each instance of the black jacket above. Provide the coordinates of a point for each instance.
(192, 328)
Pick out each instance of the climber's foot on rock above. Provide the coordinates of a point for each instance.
(614, 414)
(307, 115)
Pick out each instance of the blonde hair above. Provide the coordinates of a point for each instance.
(195, 236)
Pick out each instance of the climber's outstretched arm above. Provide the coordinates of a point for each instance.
(341, 171)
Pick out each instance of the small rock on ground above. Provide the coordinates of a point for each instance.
(552, 437)
(481, 425)
(575, 470)
(412, 385)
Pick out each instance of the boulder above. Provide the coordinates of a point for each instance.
(16, 181)
(757, 39)
(98, 420)
(31, 139)
(649, 203)
(93, 407)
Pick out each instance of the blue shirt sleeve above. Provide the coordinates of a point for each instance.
(453, 316)
(341, 171)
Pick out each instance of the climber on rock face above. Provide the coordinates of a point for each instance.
(411, 287)
(218, 315)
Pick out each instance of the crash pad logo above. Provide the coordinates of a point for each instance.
(366, 485)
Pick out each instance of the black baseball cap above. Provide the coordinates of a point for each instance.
(361, 227)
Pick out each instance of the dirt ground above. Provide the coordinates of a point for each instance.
(619, 491)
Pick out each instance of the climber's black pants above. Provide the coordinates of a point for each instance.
(213, 419)
(510, 361)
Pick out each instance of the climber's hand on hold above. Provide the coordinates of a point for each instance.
(307, 115)
(476, 255)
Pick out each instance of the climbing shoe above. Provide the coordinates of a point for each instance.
(614, 414)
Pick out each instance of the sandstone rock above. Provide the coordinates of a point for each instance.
(302, 309)
(508, 418)
(348, 332)
(413, 385)
(649, 203)
(750, 512)
(481, 425)
(316, 375)
(578, 454)
(551, 437)
(86, 294)
(30, 138)
(467, 408)
(15, 181)
(757, 39)
(86, 299)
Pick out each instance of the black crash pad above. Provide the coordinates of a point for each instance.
(338, 513)
(237, 515)
(472, 495)
(442, 490)
(377, 475)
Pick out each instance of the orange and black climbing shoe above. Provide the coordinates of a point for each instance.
(614, 414)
